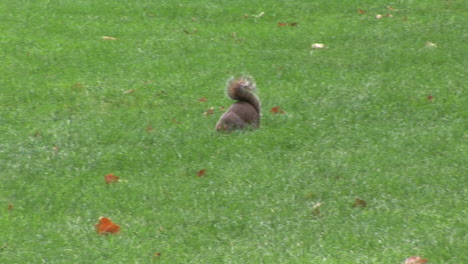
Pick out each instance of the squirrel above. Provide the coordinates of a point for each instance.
(246, 111)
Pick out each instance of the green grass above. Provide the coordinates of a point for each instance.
(357, 124)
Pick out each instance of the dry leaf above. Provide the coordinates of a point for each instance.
(259, 15)
(106, 226)
(149, 128)
(430, 98)
(208, 112)
(10, 207)
(201, 172)
(391, 8)
(108, 38)
(110, 178)
(415, 260)
(359, 202)
(316, 209)
(293, 24)
(157, 254)
(430, 45)
(277, 110)
(129, 91)
(318, 46)
(361, 11)
(203, 99)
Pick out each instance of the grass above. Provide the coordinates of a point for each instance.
(358, 124)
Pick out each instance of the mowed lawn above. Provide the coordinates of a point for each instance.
(360, 158)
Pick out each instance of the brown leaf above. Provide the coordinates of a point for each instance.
(359, 202)
(361, 11)
(201, 172)
(208, 112)
(203, 99)
(149, 128)
(281, 24)
(430, 98)
(10, 207)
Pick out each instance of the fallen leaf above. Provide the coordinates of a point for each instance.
(391, 8)
(106, 226)
(259, 15)
(10, 207)
(208, 112)
(157, 254)
(361, 11)
(293, 24)
(430, 45)
(359, 202)
(108, 38)
(201, 172)
(203, 99)
(415, 260)
(430, 98)
(316, 209)
(110, 178)
(149, 128)
(129, 91)
(318, 46)
(277, 110)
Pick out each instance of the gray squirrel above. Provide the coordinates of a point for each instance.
(246, 111)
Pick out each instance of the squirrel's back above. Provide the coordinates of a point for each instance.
(246, 111)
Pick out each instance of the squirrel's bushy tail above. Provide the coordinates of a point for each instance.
(246, 111)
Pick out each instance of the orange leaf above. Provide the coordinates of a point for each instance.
(415, 260)
(361, 11)
(110, 178)
(281, 24)
(430, 98)
(201, 172)
(277, 110)
(106, 226)
(359, 202)
(203, 99)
